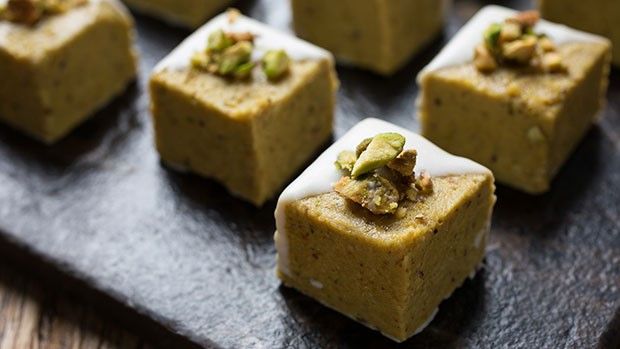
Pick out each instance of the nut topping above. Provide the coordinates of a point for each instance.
(275, 64)
(30, 12)
(380, 175)
(514, 43)
(229, 54)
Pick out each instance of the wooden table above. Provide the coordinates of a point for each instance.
(33, 316)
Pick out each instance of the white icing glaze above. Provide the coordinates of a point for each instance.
(427, 322)
(460, 49)
(482, 233)
(266, 39)
(320, 176)
(281, 242)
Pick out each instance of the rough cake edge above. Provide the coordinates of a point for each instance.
(460, 49)
(266, 39)
(319, 177)
(366, 324)
(418, 330)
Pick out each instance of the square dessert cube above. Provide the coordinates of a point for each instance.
(379, 35)
(250, 133)
(186, 13)
(389, 271)
(596, 16)
(521, 116)
(58, 68)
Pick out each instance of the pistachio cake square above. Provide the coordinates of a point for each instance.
(515, 93)
(379, 35)
(383, 226)
(61, 61)
(185, 13)
(243, 104)
(595, 16)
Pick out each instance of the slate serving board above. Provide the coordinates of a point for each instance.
(184, 262)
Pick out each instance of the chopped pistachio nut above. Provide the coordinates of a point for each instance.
(346, 160)
(275, 64)
(382, 149)
(404, 162)
(241, 36)
(29, 12)
(362, 146)
(514, 42)
(552, 63)
(373, 192)
(546, 44)
(380, 174)
(492, 35)
(218, 41)
(510, 31)
(527, 19)
(520, 51)
(230, 55)
(484, 60)
(424, 184)
(234, 57)
(232, 14)
(200, 60)
(244, 70)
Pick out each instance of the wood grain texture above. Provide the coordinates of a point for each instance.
(34, 316)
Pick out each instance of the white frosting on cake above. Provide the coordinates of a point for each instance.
(479, 237)
(460, 49)
(322, 174)
(266, 39)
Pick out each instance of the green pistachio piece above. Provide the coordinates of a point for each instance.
(244, 71)
(200, 60)
(491, 36)
(235, 56)
(510, 31)
(382, 149)
(218, 41)
(346, 160)
(375, 193)
(362, 146)
(521, 50)
(275, 64)
(484, 60)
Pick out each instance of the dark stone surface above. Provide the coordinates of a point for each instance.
(99, 212)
